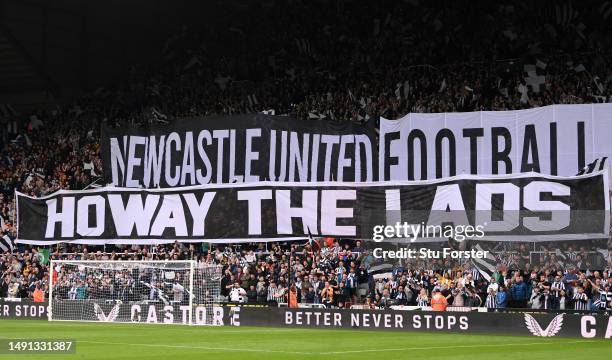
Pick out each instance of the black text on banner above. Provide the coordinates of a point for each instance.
(555, 140)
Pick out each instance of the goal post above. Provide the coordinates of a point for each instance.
(158, 292)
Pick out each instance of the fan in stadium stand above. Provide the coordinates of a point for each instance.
(305, 179)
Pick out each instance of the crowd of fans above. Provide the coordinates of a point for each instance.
(342, 61)
(339, 274)
(358, 63)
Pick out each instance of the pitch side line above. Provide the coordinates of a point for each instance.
(452, 347)
(198, 347)
(337, 352)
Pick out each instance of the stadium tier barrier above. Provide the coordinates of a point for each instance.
(304, 305)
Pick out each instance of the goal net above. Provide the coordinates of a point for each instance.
(158, 292)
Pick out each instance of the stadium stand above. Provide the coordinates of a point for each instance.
(356, 63)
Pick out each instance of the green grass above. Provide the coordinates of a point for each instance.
(176, 342)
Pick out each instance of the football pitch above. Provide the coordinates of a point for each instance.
(130, 341)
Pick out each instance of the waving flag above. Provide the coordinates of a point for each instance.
(597, 165)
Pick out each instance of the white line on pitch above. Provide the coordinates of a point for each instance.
(337, 352)
(199, 347)
(452, 347)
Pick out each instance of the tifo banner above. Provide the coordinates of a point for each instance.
(525, 324)
(242, 148)
(556, 140)
(24, 309)
(510, 207)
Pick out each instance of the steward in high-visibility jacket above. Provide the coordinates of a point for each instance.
(438, 301)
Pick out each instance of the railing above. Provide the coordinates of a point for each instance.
(533, 255)
(303, 305)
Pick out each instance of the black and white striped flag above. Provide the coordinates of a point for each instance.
(6, 244)
(599, 85)
(304, 47)
(252, 103)
(158, 116)
(7, 111)
(565, 13)
(597, 165)
(607, 254)
(252, 99)
(560, 255)
(382, 271)
(486, 266)
(314, 244)
(606, 10)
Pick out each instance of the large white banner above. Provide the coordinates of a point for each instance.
(556, 140)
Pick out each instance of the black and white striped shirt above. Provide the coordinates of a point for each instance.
(422, 301)
(560, 285)
(581, 301)
(491, 302)
(276, 294)
(544, 302)
(351, 280)
(475, 274)
(603, 300)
